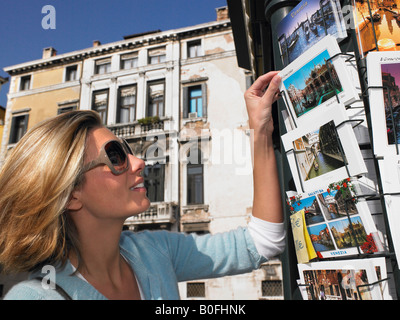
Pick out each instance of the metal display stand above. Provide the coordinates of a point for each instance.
(275, 11)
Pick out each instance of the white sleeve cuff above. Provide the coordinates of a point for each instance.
(268, 237)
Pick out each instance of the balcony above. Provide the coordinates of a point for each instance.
(158, 213)
(141, 127)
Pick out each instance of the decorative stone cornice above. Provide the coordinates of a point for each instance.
(128, 44)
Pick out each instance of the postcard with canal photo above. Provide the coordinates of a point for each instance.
(315, 82)
(309, 22)
(323, 151)
(355, 279)
(337, 222)
(383, 70)
(377, 25)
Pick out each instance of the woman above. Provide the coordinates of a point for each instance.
(70, 184)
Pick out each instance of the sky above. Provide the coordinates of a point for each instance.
(79, 22)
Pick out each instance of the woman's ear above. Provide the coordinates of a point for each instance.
(75, 203)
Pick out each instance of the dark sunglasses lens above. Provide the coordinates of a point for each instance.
(127, 146)
(117, 155)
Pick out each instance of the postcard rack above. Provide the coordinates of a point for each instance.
(276, 11)
(362, 72)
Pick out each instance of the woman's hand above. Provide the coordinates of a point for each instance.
(259, 99)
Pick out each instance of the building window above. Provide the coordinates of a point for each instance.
(66, 109)
(195, 289)
(154, 182)
(129, 61)
(194, 49)
(127, 104)
(25, 83)
(19, 125)
(156, 55)
(271, 288)
(194, 101)
(155, 104)
(102, 66)
(195, 168)
(71, 73)
(100, 104)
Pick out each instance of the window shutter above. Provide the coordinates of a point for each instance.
(128, 91)
(157, 52)
(204, 92)
(129, 56)
(100, 99)
(185, 102)
(156, 91)
(103, 61)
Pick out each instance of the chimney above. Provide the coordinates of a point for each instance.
(49, 52)
(222, 13)
(96, 43)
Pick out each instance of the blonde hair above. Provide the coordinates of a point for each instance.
(36, 182)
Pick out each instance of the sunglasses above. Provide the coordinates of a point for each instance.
(114, 154)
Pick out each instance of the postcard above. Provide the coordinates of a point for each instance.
(302, 242)
(377, 25)
(389, 169)
(337, 223)
(323, 151)
(309, 22)
(392, 204)
(383, 70)
(344, 280)
(315, 83)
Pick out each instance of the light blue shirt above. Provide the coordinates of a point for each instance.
(160, 259)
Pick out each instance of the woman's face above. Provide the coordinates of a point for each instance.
(106, 195)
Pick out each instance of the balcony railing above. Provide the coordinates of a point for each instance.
(138, 128)
(163, 212)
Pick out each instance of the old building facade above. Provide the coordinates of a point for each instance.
(2, 109)
(177, 97)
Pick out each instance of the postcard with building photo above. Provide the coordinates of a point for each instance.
(309, 22)
(323, 151)
(343, 280)
(315, 82)
(377, 25)
(383, 70)
(338, 224)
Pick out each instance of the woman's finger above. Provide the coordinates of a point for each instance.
(262, 82)
(271, 94)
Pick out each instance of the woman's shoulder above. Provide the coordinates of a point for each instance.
(32, 289)
(153, 238)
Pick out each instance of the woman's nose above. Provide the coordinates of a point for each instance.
(137, 165)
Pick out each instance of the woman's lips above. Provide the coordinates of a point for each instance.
(138, 187)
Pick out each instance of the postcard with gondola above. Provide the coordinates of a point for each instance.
(377, 25)
(336, 222)
(306, 24)
(325, 150)
(383, 69)
(317, 81)
(355, 279)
